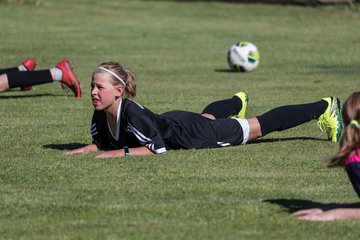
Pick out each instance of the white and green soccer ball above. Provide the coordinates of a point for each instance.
(243, 56)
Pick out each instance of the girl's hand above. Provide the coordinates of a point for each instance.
(316, 214)
(111, 154)
(325, 216)
(330, 215)
(305, 212)
(83, 150)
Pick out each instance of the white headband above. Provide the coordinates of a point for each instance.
(112, 73)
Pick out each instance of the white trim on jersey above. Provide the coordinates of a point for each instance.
(117, 127)
(246, 129)
(161, 150)
(93, 130)
(148, 142)
(140, 106)
(138, 134)
(222, 144)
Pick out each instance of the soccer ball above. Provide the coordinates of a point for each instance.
(243, 56)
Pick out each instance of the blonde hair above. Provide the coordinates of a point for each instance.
(350, 140)
(121, 72)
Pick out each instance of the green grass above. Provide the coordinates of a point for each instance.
(178, 50)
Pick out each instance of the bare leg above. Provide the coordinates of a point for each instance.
(52, 72)
(209, 116)
(4, 83)
(255, 129)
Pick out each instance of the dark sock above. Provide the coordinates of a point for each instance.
(224, 108)
(286, 117)
(7, 70)
(29, 78)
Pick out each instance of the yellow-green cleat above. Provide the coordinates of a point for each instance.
(331, 121)
(244, 100)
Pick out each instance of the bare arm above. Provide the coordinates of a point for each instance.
(140, 151)
(334, 212)
(83, 150)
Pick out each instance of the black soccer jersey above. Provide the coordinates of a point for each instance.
(137, 126)
(353, 171)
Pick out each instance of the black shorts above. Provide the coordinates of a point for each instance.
(191, 130)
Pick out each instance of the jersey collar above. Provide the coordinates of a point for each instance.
(118, 119)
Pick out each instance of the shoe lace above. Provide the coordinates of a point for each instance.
(324, 126)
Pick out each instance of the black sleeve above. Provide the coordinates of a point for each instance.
(147, 133)
(353, 171)
(97, 139)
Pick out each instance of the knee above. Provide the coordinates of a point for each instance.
(255, 129)
(208, 115)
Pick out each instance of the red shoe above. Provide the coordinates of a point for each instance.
(68, 77)
(30, 65)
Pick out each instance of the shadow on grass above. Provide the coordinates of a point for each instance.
(285, 139)
(293, 205)
(336, 69)
(308, 3)
(227, 71)
(66, 146)
(32, 96)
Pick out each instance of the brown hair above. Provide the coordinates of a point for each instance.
(350, 140)
(125, 74)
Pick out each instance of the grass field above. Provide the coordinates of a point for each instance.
(178, 50)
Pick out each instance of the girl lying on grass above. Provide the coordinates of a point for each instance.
(122, 127)
(349, 158)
